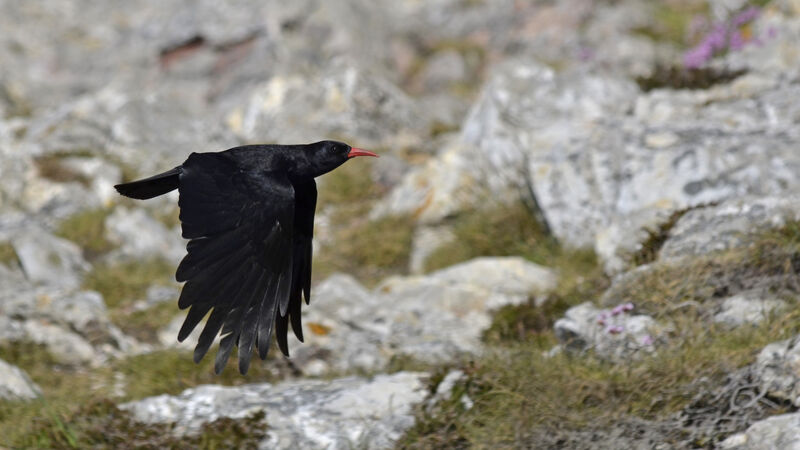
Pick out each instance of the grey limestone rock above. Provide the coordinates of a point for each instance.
(15, 384)
(336, 414)
(140, 236)
(748, 308)
(777, 368)
(432, 318)
(777, 432)
(49, 259)
(727, 225)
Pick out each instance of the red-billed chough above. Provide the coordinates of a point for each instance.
(248, 213)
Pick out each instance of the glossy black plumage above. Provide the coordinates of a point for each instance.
(248, 213)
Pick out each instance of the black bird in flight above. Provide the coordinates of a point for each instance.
(248, 213)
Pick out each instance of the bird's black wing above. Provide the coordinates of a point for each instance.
(305, 195)
(239, 264)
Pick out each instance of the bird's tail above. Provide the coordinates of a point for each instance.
(151, 187)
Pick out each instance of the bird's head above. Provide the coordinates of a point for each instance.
(325, 156)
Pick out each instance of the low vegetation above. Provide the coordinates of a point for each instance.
(77, 409)
(521, 397)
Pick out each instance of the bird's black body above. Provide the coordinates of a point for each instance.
(248, 213)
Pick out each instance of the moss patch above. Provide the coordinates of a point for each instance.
(88, 230)
(8, 256)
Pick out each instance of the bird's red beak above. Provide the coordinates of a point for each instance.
(360, 152)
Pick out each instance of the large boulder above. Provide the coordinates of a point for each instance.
(605, 160)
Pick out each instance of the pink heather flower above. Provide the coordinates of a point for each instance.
(627, 307)
(647, 340)
(736, 41)
(748, 15)
(601, 318)
(721, 38)
(615, 329)
(716, 40)
(697, 56)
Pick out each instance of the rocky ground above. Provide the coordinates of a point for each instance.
(571, 240)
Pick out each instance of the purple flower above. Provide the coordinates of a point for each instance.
(615, 329)
(716, 40)
(736, 41)
(621, 308)
(748, 15)
(647, 340)
(697, 56)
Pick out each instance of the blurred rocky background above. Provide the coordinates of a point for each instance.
(583, 232)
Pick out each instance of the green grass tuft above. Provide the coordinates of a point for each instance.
(123, 282)
(503, 230)
(370, 250)
(172, 371)
(349, 185)
(87, 229)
